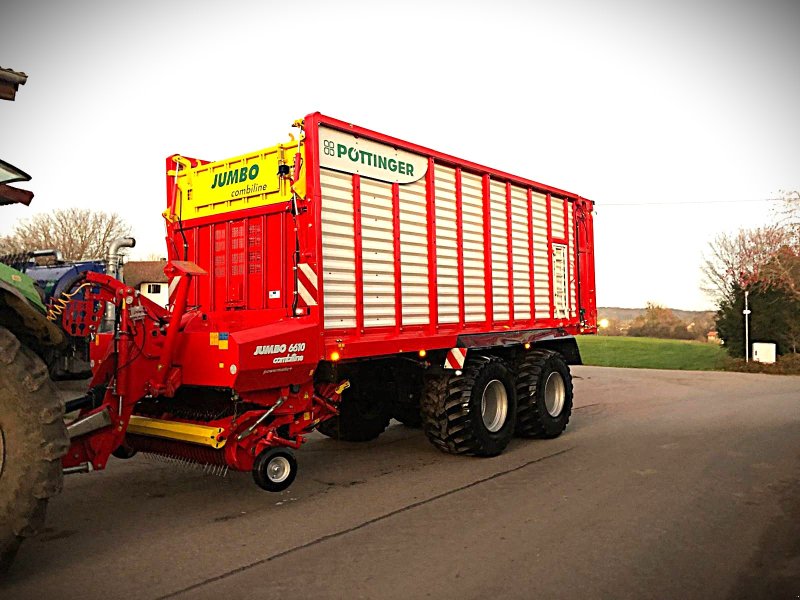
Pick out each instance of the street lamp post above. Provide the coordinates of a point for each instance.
(746, 312)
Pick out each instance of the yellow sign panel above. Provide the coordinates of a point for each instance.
(246, 181)
(249, 176)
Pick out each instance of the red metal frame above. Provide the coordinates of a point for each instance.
(548, 204)
(460, 248)
(433, 290)
(398, 274)
(510, 255)
(567, 266)
(488, 284)
(359, 257)
(531, 256)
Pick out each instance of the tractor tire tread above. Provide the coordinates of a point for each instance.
(30, 404)
(444, 406)
(532, 419)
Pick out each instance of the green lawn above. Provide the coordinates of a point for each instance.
(650, 353)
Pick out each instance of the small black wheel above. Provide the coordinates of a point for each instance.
(544, 394)
(275, 469)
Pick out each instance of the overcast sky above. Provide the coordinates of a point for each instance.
(678, 118)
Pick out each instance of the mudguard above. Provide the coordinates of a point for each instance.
(23, 312)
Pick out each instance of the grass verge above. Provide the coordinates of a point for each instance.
(654, 353)
(651, 353)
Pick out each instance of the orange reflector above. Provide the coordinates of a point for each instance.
(423, 353)
(335, 356)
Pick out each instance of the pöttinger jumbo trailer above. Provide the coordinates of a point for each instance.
(414, 276)
(331, 283)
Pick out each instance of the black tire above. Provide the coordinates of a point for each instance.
(32, 441)
(406, 388)
(408, 414)
(543, 412)
(451, 408)
(362, 416)
(274, 469)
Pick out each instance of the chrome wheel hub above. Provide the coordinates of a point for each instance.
(494, 406)
(278, 469)
(554, 394)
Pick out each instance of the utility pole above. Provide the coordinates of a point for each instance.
(746, 313)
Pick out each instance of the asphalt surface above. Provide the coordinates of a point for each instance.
(666, 485)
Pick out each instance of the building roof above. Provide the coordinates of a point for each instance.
(9, 83)
(12, 195)
(137, 272)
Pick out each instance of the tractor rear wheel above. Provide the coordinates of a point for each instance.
(544, 394)
(32, 441)
(471, 413)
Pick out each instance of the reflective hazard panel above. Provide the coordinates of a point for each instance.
(455, 358)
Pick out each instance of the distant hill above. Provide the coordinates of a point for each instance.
(629, 314)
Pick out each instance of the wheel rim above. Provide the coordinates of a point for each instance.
(494, 405)
(554, 394)
(278, 469)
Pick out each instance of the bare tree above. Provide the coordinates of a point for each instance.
(740, 259)
(782, 271)
(79, 233)
(787, 214)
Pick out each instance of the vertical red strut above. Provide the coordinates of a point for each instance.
(531, 272)
(550, 255)
(433, 289)
(184, 270)
(487, 253)
(509, 254)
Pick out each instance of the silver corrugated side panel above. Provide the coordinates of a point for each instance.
(499, 229)
(338, 250)
(541, 279)
(377, 253)
(414, 254)
(472, 225)
(446, 244)
(557, 217)
(520, 253)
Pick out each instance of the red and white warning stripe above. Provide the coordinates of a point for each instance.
(455, 358)
(307, 284)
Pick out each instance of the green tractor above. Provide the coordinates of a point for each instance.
(34, 351)
(33, 437)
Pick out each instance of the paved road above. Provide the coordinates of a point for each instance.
(666, 485)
